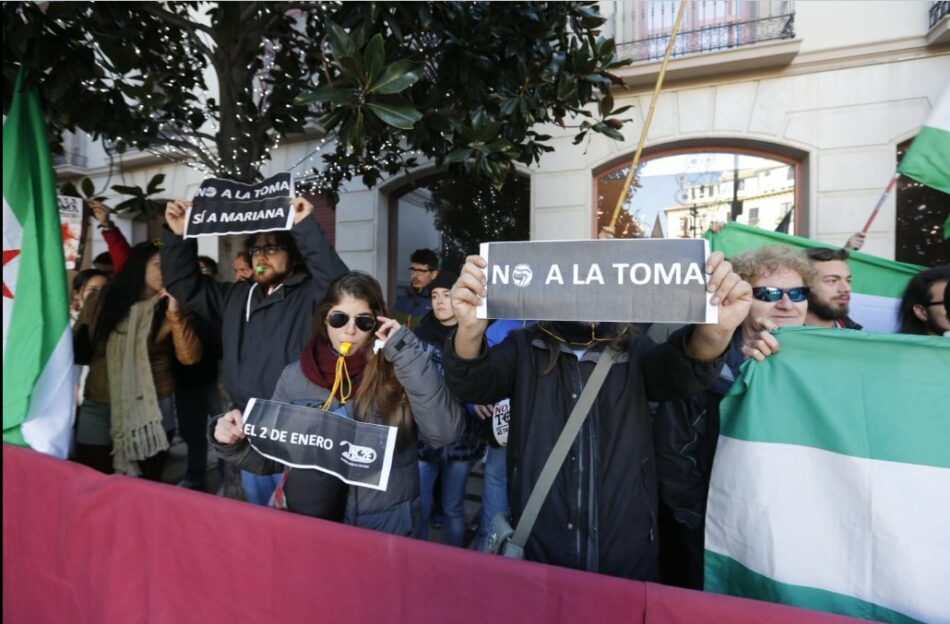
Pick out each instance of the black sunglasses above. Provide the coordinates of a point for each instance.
(340, 319)
(773, 294)
(269, 250)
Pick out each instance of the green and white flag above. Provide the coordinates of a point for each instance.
(928, 159)
(37, 342)
(830, 488)
(878, 283)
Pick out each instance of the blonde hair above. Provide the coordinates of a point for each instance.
(764, 261)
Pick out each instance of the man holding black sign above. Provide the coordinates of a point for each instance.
(600, 515)
(264, 322)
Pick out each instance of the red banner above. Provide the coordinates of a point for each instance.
(79, 546)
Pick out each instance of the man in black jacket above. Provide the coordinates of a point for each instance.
(600, 514)
(264, 323)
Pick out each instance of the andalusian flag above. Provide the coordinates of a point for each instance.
(37, 342)
(878, 283)
(928, 159)
(831, 484)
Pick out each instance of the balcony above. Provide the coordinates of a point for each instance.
(73, 161)
(716, 37)
(939, 32)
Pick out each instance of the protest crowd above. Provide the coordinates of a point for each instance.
(155, 330)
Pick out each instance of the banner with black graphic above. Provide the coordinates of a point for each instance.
(72, 221)
(304, 437)
(621, 280)
(501, 421)
(228, 207)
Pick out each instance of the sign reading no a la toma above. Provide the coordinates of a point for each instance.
(228, 207)
(355, 452)
(621, 280)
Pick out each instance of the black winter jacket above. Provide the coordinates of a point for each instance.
(600, 515)
(259, 335)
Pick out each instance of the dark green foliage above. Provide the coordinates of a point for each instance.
(469, 85)
(470, 210)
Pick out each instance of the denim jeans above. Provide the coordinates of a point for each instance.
(494, 492)
(454, 479)
(259, 488)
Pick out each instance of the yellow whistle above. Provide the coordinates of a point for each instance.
(345, 348)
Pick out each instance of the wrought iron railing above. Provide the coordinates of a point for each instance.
(73, 158)
(706, 29)
(938, 11)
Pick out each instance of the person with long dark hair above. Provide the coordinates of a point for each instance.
(398, 386)
(129, 336)
(923, 308)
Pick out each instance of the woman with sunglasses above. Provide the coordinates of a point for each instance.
(397, 386)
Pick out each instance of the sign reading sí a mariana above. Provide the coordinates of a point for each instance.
(228, 207)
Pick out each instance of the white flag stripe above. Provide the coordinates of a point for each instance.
(874, 312)
(12, 235)
(870, 529)
(52, 397)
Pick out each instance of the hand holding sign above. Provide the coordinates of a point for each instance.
(467, 295)
(302, 208)
(175, 215)
(730, 292)
(229, 428)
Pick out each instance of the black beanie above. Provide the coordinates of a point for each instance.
(444, 279)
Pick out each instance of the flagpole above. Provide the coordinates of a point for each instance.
(649, 118)
(880, 202)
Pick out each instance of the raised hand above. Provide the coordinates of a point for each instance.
(301, 208)
(175, 215)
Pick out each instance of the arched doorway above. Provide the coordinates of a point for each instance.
(679, 189)
(452, 216)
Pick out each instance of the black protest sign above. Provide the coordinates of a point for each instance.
(304, 437)
(229, 207)
(621, 280)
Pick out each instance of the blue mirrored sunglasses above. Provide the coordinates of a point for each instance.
(773, 294)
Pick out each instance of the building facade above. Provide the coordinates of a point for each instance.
(829, 89)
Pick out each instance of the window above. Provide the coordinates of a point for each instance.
(685, 191)
(921, 213)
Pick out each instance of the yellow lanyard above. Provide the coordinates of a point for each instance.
(342, 376)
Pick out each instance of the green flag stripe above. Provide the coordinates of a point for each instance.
(40, 306)
(849, 375)
(872, 275)
(928, 159)
(726, 575)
